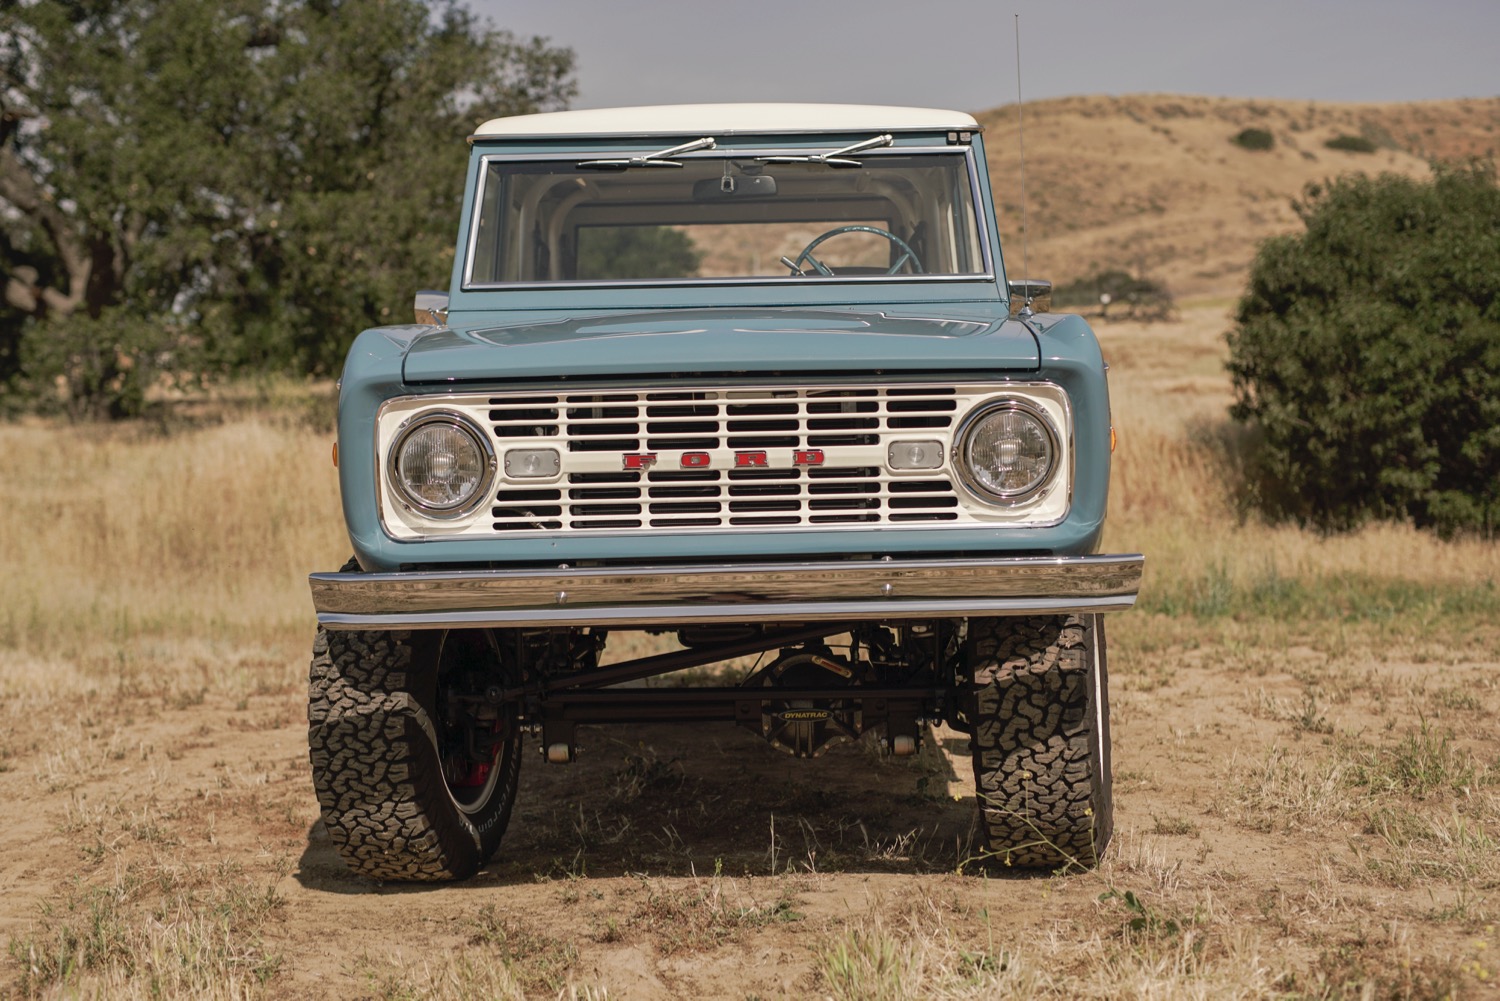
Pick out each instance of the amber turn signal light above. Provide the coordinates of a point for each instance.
(1111, 445)
(336, 448)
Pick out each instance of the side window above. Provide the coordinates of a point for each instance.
(486, 266)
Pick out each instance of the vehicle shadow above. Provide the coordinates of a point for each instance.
(684, 800)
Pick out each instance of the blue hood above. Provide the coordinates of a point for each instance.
(720, 341)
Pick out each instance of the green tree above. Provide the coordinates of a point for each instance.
(222, 184)
(1351, 144)
(1255, 140)
(1138, 298)
(1367, 352)
(622, 252)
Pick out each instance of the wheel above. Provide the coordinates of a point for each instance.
(907, 254)
(1039, 707)
(415, 781)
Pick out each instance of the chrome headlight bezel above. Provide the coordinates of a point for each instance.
(1008, 498)
(482, 444)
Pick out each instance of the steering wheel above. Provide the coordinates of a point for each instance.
(907, 254)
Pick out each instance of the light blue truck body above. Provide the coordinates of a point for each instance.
(874, 472)
(575, 337)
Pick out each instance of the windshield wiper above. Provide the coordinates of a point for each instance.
(662, 159)
(836, 158)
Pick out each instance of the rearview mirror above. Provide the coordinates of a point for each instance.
(730, 186)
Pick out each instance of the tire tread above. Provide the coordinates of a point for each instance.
(369, 741)
(1039, 766)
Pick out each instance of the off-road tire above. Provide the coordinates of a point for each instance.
(373, 741)
(1039, 706)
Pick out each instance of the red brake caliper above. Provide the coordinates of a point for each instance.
(478, 773)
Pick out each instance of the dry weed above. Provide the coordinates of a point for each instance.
(154, 929)
(125, 549)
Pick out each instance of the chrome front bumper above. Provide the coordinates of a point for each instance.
(669, 595)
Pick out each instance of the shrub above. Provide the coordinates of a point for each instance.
(1367, 353)
(1254, 139)
(1351, 144)
(102, 368)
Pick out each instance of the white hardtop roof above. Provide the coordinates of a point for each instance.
(726, 119)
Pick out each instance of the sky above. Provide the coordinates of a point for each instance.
(960, 54)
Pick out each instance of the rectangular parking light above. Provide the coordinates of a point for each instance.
(532, 463)
(915, 455)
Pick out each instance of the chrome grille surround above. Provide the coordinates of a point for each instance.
(727, 458)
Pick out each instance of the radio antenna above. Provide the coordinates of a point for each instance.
(1021, 144)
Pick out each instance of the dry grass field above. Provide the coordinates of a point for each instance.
(1307, 765)
(1307, 768)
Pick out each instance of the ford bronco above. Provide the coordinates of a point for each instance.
(751, 378)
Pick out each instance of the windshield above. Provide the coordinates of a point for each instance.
(735, 217)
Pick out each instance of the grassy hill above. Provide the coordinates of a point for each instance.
(1155, 184)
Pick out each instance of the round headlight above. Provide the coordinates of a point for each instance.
(1006, 451)
(440, 464)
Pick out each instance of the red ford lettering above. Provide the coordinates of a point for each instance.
(749, 458)
(807, 457)
(695, 460)
(639, 460)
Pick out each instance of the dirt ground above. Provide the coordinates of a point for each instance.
(699, 862)
(1306, 768)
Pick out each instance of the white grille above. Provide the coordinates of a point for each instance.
(727, 458)
(847, 428)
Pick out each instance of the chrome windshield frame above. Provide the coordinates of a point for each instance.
(987, 253)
